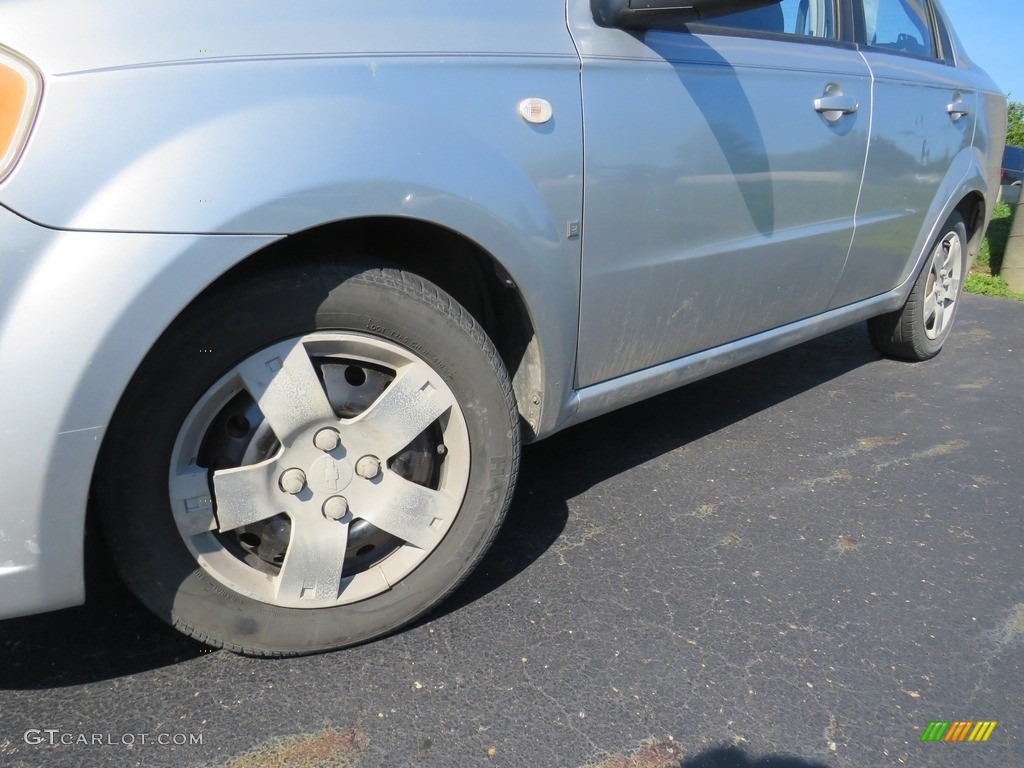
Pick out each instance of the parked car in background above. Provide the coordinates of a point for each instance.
(284, 288)
(1013, 165)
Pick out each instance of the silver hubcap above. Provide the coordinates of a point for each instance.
(327, 464)
(943, 287)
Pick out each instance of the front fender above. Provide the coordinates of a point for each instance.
(276, 146)
(150, 183)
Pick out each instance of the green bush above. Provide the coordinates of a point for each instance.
(1015, 124)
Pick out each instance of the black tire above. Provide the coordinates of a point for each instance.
(229, 324)
(918, 331)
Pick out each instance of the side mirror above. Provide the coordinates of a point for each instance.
(651, 14)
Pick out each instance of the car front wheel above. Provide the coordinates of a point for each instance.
(309, 459)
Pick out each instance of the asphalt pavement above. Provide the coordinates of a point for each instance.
(796, 564)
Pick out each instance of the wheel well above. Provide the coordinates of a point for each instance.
(460, 267)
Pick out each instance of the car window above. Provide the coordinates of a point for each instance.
(804, 18)
(899, 25)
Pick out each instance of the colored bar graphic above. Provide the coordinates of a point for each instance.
(983, 736)
(935, 731)
(959, 730)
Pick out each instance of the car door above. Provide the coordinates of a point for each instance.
(722, 170)
(924, 115)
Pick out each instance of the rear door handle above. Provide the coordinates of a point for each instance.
(833, 104)
(958, 107)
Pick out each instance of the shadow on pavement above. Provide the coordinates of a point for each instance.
(733, 757)
(112, 635)
(565, 465)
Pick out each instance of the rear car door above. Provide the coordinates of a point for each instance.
(722, 170)
(924, 115)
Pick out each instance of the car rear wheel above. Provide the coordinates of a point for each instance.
(921, 327)
(309, 459)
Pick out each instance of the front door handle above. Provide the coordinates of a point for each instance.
(833, 104)
(958, 107)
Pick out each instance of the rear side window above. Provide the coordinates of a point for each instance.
(903, 26)
(802, 18)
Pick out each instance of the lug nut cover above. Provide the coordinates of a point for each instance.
(368, 467)
(292, 481)
(326, 439)
(335, 508)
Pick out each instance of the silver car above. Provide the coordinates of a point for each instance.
(284, 289)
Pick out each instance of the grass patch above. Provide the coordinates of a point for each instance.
(984, 277)
(990, 285)
(990, 257)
